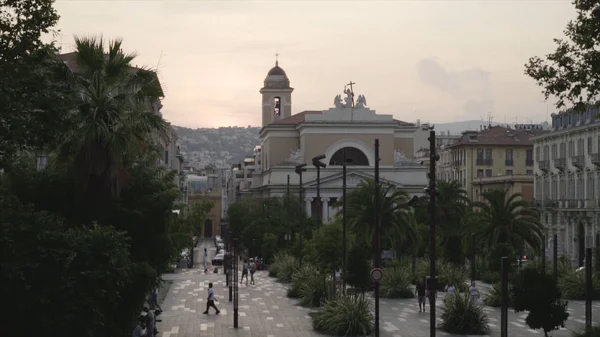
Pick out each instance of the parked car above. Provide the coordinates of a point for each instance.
(220, 247)
(218, 259)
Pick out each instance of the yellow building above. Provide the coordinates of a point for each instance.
(212, 224)
(495, 157)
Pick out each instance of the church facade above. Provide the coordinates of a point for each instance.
(350, 126)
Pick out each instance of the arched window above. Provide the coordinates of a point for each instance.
(277, 106)
(354, 157)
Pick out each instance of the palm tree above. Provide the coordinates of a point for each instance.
(506, 219)
(393, 211)
(451, 206)
(113, 122)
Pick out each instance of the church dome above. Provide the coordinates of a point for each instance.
(277, 71)
(277, 78)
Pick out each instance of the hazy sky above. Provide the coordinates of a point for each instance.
(438, 61)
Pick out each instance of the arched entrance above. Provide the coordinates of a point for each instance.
(354, 157)
(581, 243)
(208, 228)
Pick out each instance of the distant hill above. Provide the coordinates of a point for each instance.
(456, 128)
(230, 145)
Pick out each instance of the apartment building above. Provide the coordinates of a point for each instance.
(566, 184)
(494, 157)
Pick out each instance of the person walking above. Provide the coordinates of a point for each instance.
(140, 328)
(450, 289)
(211, 300)
(150, 322)
(252, 270)
(474, 293)
(420, 293)
(244, 272)
(205, 260)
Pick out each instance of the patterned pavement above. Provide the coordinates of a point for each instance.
(265, 311)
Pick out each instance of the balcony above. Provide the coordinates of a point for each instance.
(578, 161)
(573, 203)
(595, 158)
(536, 203)
(544, 165)
(550, 203)
(560, 163)
(529, 162)
(508, 162)
(457, 163)
(484, 161)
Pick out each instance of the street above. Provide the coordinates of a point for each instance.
(265, 311)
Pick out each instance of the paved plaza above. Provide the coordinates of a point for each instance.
(265, 311)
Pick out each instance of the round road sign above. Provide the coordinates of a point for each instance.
(376, 274)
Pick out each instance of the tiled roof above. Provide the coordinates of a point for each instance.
(498, 135)
(300, 118)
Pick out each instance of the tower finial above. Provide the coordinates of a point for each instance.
(277, 59)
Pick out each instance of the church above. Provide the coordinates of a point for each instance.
(349, 126)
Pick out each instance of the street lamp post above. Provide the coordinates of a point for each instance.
(299, 170)
(235, 283)
(377, 236)
(316, 161)
(432, 287)
(344, 224)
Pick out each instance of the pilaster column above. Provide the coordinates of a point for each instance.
(308, 201)
(325, 206)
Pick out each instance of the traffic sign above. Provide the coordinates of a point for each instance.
(376, 274)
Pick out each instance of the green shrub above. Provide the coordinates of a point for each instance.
(358, 267)
(299, 278)
(494, 298)
(396, 283)
(461, 316)
(572, 285)
(345, 316)
(283, 267)
(490, 277)
(449, 273)
(314, 291)
(592, 332)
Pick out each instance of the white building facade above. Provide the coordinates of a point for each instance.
(567, 182)
(350, 126)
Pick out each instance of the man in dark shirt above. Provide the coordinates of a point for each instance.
(421, 293)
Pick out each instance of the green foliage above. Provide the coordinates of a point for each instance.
(283, 267)
(592, 332)
(538, 293)
(300, 277)
(569, 72)
(269, 246)
(359, 267)
(446, 272)
(462, 316)
(198, 211)
(396, 283)
(494, 298)
(345, 316)
(55, 272)
(497, 252)
(327, 242)
(572, 284)
(314, 291)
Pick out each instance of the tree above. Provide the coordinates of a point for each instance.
(358, 267)
(194, 220)
(452, 204)
(71, 278)
(34, 90)
(506, 219)
(327, 242)
(393, 212)
(537, 292)
(570, 73)
(113, 122)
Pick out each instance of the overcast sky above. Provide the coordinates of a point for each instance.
(438, 61)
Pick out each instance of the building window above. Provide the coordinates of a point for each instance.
(509, 157)
(488, 173)
(488, 153)
(589, 145)
(529, 172)
(509, 172)
(580, 149)
(537, 153)
(479, 154)
(479, 173)
(166, 157)
(571, 148)
(562, 150)
(553, 152)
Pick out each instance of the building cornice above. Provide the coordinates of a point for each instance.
(567, 131)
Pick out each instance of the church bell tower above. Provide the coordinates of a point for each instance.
(276, 96)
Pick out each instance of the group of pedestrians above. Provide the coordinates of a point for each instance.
(422, 293)
(248, 267)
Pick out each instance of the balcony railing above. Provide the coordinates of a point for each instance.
(578, 161)
(484, 161)
(529, 162)
(544, 165)
(457, 163)
(573, 203)
(508, 162)
(550, 203)
(560, 163)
